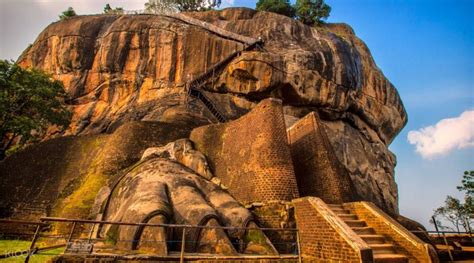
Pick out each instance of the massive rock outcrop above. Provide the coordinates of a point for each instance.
(120, 68)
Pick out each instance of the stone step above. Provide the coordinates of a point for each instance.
(373, 239)
(390, 258)
(332, 206)
(348, 216)
(355, 223)
(382, 248)
(366, 230)
(340, 211)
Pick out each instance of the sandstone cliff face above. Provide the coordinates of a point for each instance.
(135, 67)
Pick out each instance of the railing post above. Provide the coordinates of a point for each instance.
(90, 233)
(183, 241)
(32, 246)
(469, 228)
(71, 233)
(447, 246)
(298, 245)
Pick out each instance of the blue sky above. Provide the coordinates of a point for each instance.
(425, 48)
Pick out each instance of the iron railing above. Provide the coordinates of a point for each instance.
(79, 237)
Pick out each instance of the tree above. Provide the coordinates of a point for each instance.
(109, 10)
(30, 101)
(467, 183)
(282, 7)
(69, 12)
(159, 6)
(312, 12)
(456, 213)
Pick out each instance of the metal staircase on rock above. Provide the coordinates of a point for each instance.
(383, 250)
(194, 86)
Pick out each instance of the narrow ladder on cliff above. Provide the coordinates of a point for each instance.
(194, 87)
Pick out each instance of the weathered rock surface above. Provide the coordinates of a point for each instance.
(135, 67)
(118, 68)
(69, 176)
(368, 162)
(183, 152)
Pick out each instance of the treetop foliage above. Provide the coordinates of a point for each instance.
(282, 7)
(458, 214)
(109, 10)
(69, 12)
(161, 6)
(467, 183)
(310, 12)
(30, 101)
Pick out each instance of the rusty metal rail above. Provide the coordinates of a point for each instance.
(68, 220)
(21, 222)
(180, 255)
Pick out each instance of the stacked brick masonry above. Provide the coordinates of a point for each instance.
(324, 236)
(251, 155)
(277, 214)
(405, 242)
(318, 172)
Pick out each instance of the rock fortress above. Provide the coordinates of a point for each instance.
(228, 135)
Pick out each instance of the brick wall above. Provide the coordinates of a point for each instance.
(405, 242)
(324, 236)
(317, 170)
(251, 155)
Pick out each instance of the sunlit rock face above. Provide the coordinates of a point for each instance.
(135, 67)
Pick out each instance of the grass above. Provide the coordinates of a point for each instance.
(12, 246)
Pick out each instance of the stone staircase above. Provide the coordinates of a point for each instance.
(382, 249)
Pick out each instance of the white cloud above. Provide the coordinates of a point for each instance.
(445, 136)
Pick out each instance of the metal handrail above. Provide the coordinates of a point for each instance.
(21, 222)
(68, 220)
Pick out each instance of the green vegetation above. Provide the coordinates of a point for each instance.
(112, 235)
(30, 101)
(115, 11)
(160, 6)
(458, 214)
(12, 246)
(78, 197)
(282, 7)
(312, 12)
(309, 12)
(256, 236)
(69, 12)
(467, 183)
